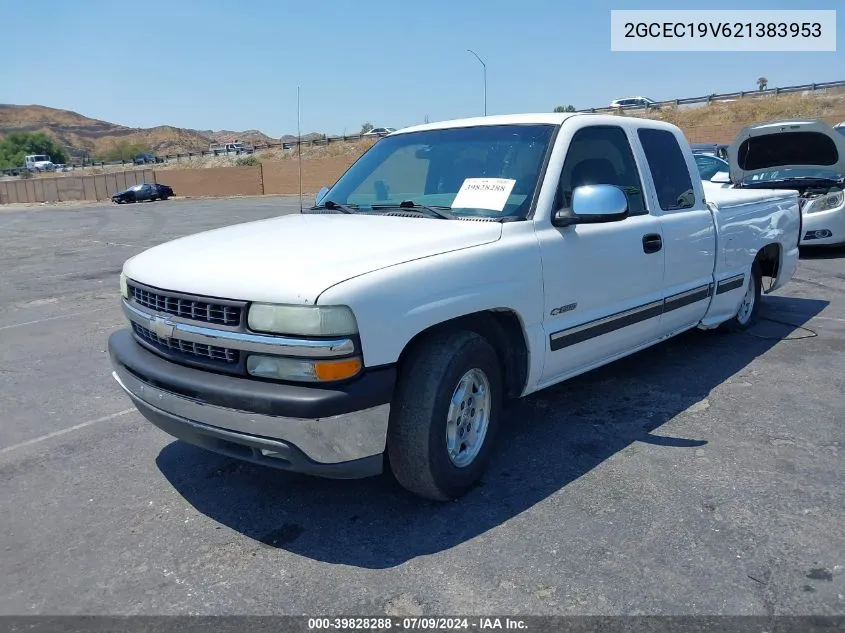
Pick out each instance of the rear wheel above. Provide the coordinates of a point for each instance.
(445, 415)
(749, 307)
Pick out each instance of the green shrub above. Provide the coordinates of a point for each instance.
(247, 161)
(122, 150)
(16, 145)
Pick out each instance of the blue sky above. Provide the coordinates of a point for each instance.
(208, 64)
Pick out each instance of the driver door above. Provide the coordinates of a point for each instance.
(603, 282)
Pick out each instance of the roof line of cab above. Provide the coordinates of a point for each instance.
(554, 118)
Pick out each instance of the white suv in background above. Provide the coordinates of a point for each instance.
(380, 131)
(635, 102)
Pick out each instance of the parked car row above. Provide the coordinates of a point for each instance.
(806, 156)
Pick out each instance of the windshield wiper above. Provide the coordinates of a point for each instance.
(334, 206)
(443, 213)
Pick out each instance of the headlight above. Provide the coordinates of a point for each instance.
(299, 370)
(302, 320)
(124, 288)
(826, 202)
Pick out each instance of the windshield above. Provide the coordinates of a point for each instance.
(787, 173)
(495, 168)
(40, 157)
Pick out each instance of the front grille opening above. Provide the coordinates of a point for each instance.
(206, 311)
(199, 350)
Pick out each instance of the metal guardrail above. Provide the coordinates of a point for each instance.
(746, 94)
(290, 145)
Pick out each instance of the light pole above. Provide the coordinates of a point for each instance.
(485, 78)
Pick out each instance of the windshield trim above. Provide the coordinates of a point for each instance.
(541, 177)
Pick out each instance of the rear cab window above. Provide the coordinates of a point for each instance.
(669, 171)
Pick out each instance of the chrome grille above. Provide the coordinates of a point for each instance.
(194, 309)
(212, 352)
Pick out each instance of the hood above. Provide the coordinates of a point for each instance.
(766, 147)
(294, 258)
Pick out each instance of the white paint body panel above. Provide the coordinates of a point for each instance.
(832, 220)
(292, 258)
(401, 276)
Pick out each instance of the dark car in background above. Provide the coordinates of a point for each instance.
(146, 191)
(710, 165)
(146, 157)
(713, 149)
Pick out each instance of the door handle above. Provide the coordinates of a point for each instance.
(652, 243)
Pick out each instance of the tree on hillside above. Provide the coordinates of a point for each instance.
(569, 108)
(16, 145)
(366, 127)
(123, 150)
(762, 82)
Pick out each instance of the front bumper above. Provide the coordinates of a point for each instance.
(830, 224)
(335, 432)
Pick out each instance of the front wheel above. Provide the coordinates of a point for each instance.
(445, 415)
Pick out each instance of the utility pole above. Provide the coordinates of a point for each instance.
(485, 77)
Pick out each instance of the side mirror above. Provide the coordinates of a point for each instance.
(593, 204)
(721, 177)
(320, 195)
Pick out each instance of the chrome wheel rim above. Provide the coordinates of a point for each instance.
(468, 418)
(747, 305)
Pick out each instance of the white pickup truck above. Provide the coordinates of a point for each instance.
(454, 267)
(38, 162)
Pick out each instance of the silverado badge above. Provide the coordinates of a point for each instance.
(567, 308)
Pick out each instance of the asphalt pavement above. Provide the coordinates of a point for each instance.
(702, 476)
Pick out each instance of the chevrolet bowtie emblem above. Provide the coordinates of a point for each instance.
(162, 327)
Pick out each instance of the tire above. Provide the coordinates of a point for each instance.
(747, 315)
(417, 448)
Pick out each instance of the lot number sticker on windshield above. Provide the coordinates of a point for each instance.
(484, 193)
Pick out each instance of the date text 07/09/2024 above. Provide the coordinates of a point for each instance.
(416, 623)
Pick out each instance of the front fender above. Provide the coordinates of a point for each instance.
(394, 304)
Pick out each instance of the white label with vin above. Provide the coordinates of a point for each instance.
(484, 193)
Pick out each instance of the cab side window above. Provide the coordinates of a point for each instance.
(601, 155)
(668, 169)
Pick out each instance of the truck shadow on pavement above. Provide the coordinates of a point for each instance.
(829, 252)
(549, 440)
